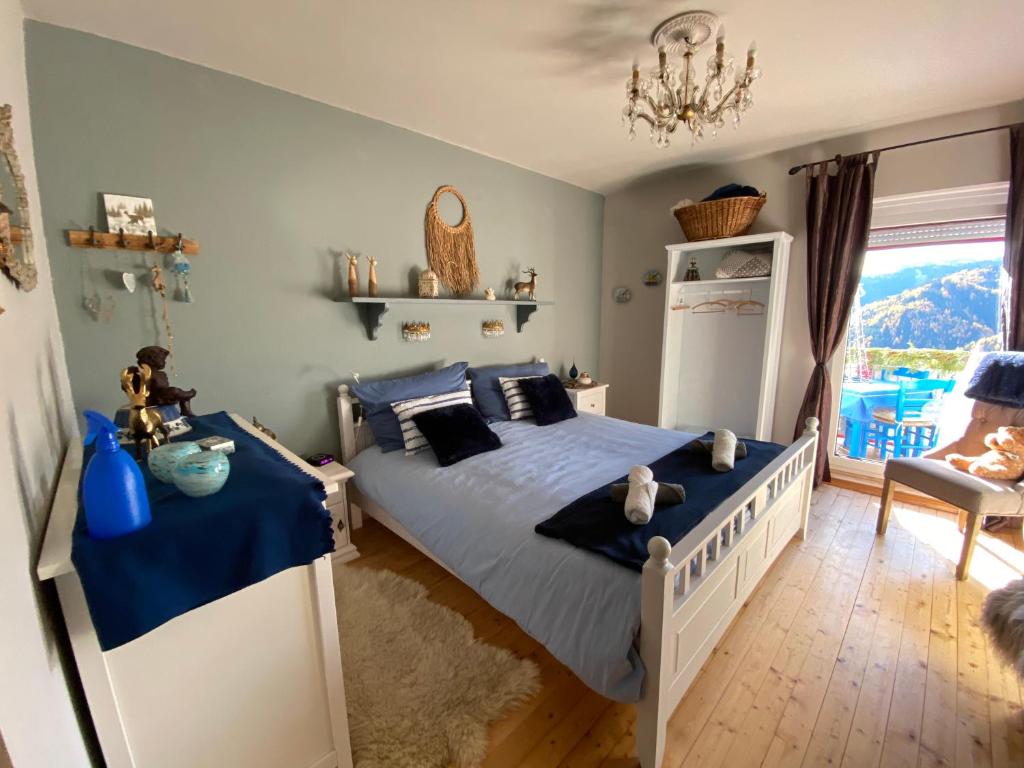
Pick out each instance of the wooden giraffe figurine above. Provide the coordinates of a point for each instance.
(371, 286)
(353, 274)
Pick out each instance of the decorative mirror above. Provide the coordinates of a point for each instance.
(15, 225)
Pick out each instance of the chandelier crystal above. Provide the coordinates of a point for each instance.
(666, 97)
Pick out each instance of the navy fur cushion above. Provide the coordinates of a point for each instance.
(548, 399)
(456, 432)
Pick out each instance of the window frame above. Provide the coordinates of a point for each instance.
(959, 204)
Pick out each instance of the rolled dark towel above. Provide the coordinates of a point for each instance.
(706, 446)
(668, 493)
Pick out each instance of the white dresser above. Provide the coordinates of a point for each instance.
(253, 679)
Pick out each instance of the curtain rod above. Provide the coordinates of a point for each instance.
(797, 168)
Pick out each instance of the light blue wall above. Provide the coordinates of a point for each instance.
(272, 185)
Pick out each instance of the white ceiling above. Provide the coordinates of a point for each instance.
(540, 83)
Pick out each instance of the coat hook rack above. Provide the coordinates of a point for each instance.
(121, 240)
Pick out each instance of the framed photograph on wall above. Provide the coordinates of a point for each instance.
(132, 214)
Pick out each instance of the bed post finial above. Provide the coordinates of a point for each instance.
(811, 425)
(343, 390)
(659, 549)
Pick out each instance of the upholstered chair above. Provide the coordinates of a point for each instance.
(975, 497)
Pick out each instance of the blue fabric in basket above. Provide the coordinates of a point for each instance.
(268, 517)
(597, 523)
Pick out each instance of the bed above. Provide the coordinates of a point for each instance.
(632, 637)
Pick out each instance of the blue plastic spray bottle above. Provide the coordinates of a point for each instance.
(113, 489)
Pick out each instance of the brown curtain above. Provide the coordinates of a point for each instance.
(838, 221)
(1011, 314)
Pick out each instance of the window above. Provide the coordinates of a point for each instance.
(928, 297)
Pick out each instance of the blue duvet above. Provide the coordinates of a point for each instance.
(478, 518)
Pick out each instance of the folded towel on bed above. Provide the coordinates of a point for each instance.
(723, 452)
(668, 493)
(641, 494)
(706, 446)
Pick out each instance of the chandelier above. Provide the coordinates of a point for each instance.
(666, 98)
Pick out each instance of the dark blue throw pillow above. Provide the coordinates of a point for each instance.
(456, 432)
(547, 399)
(487, 392)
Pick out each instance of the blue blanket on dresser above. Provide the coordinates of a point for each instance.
(268, 517)
(596, 523)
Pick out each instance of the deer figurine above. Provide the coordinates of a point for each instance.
(353, 274)
(143, 423)
(371, 285)
(527, 288)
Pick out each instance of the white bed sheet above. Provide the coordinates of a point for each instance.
(478, 518)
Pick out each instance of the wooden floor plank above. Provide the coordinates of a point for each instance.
(854, 650)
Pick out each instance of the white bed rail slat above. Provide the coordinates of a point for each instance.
(726, 553)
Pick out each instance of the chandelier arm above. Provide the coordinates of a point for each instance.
(646, 118)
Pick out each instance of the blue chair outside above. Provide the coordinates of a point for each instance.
(910, 373)
(910, 428)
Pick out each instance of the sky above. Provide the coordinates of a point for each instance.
(889, 260)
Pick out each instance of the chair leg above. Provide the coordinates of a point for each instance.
(888, 488)
(961, 521)
(970, 534)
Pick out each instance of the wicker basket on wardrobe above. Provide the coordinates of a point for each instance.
(728, 217)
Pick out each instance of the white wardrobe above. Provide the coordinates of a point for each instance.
(720, 346)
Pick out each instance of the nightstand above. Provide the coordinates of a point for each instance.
(337, 505)
(590, 399)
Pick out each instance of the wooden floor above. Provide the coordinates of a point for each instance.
(855, 650)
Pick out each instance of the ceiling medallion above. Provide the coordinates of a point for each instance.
(666, 98)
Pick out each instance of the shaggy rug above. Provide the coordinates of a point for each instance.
(1003, 617)
(421, 690)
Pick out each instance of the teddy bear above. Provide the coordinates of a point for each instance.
(1004, 459)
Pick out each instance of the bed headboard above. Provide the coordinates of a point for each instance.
(356, 434)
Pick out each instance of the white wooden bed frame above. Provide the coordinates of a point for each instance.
(691, 592)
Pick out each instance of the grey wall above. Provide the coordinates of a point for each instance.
(272, 186)
(638, 225)
(38, 717)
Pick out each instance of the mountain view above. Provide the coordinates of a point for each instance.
(938, 306)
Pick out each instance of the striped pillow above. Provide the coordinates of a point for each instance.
(518, 405)
(406, 409)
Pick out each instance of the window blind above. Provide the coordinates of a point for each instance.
(930, 234)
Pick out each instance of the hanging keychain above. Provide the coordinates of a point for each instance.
(182, 267)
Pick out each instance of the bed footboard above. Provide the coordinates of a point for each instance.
(691, 592)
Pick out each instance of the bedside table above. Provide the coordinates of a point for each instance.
(337, 505)
(588, 399)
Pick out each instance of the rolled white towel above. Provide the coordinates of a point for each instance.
(641, 495)
(639, 474)
(723, 452)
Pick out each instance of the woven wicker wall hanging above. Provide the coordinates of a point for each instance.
(450, 250)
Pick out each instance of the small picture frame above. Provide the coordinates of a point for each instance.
(134, 215)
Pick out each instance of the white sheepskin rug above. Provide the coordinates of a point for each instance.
(1003, 617)
(421, 690)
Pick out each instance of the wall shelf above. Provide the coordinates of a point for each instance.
(719, 281)
(372, 308)
(122, 241)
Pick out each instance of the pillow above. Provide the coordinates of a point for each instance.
(487, 392)
(456, 432)
(406, 411)
(376, 398)
(516, 402)
(548, 400)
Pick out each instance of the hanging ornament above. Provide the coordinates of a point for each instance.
(181, 267)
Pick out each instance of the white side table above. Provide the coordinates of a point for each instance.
(590, 399)
(337, 505)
